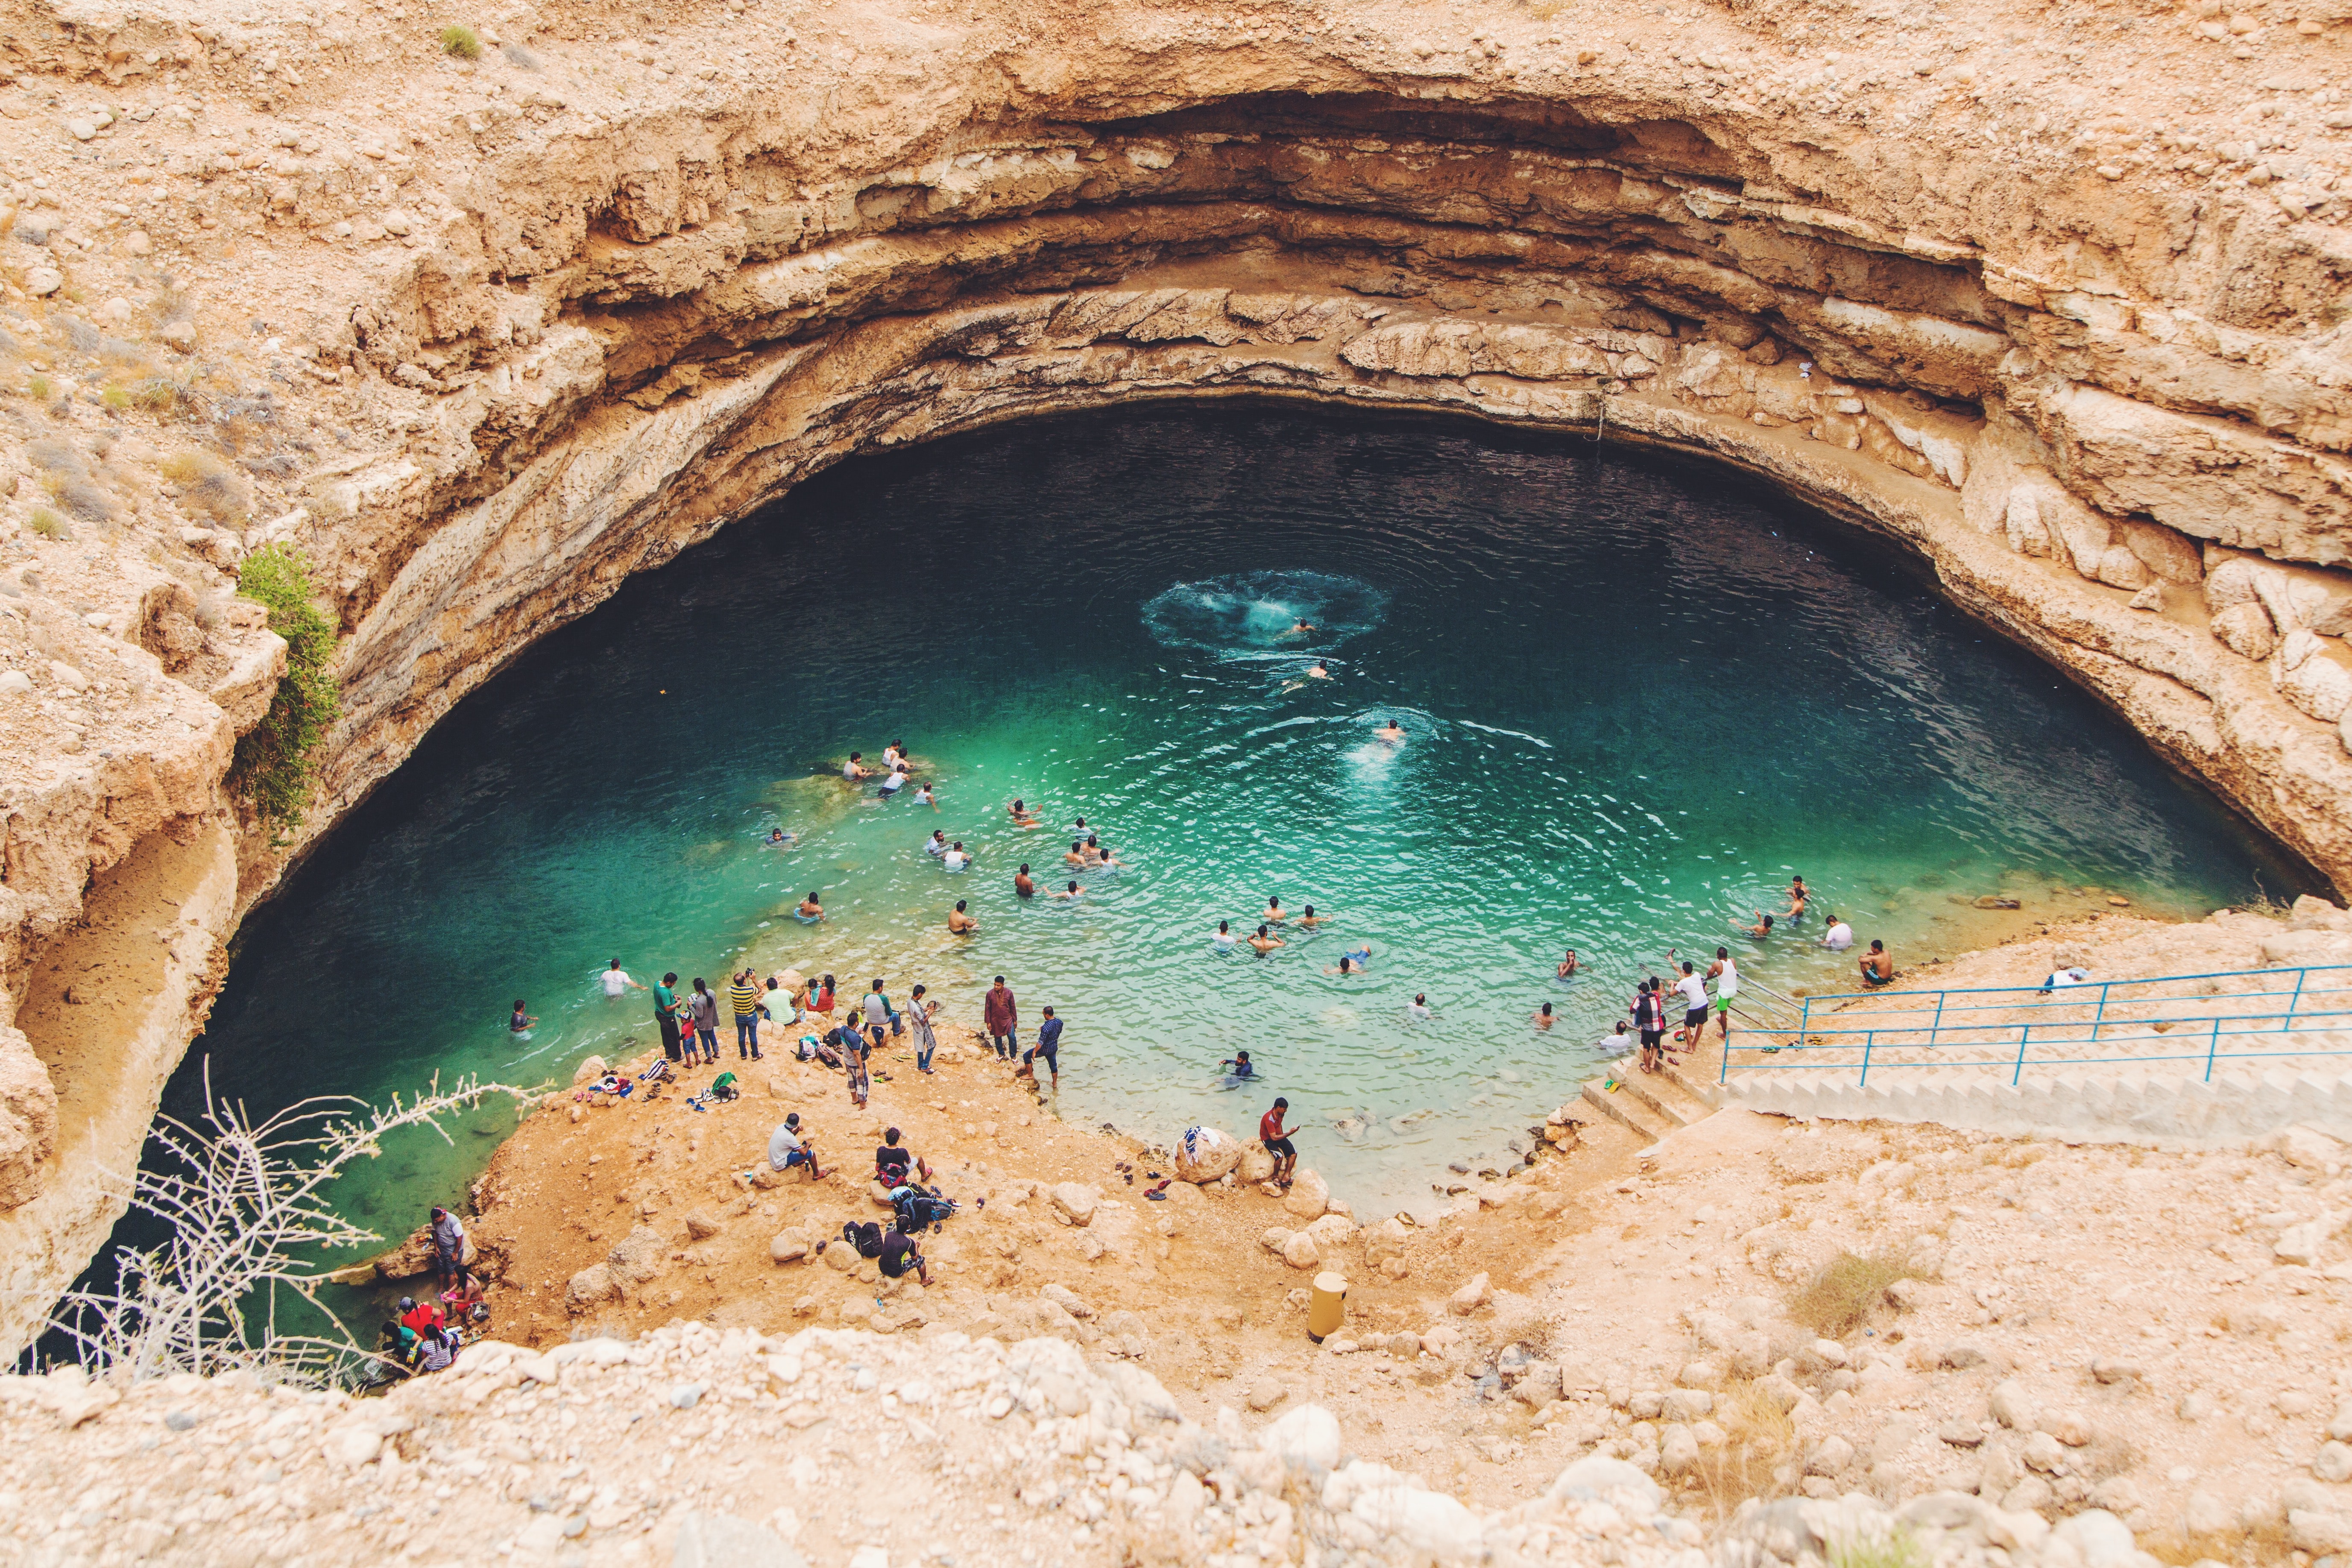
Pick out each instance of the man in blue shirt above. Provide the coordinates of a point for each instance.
(1048, 1046)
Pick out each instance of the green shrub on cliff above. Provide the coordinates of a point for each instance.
(273, 766)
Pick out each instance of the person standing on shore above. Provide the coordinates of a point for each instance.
(1724, 972)
(919, 1020)
(616, 980)
(745, 996)
(1001, 1014)
(666, 1011)
(1048, 1046)
(702, 1012)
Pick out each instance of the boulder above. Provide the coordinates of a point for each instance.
(591, 1287)
(1272, 1238)
(1076, 1201)
(1069, 1300)
(2245, 630)
(1307, 1439)
(1256, 1165)
(2120, 568)
(1309, 1197)
(410, 1258)
(2011, 1406)
(1300, 1251)
(2167, 552)
(1205, 1154)
(1473, 1293)
(789, 1245)
(701, 1227)
(639, 1256)
(2314, 675)
(1333, 1230)
(590, 1070)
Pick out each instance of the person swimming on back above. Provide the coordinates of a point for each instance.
(1024, 817)
(1389, 731)
(1022, 883)
(810, 909)
(1264, 941)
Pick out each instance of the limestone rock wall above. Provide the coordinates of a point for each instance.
(2055, 304)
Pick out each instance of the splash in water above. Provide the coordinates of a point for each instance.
(1255, 613)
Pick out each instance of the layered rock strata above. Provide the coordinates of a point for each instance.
(482, 336)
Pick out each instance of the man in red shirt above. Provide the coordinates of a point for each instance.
(1276, 1139)
(1002, 1020)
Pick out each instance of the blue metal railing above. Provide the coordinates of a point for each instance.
(1875, 1031)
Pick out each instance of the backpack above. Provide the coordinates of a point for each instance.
(723, 1086)
(918, 1208)
(866, 1238)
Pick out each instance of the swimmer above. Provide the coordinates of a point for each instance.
(923, 793)
(1093, 851)
(894, 755)
(1568, 965)
(1080, 828)
(1300, 628)
(955, 859)
(1069, 892)
(1024, 817)
(1799, 896)
(1760, 929)
(1418, 1008)
(810, 909)
(1224, 936)
(1616, 1043)
(960, 922)
(1264, 941)
(1240, 1064)
(895, 781)
(938, 844)
(1389, 731)
(1362, 955)
(1105, 860)
(1839, 937)
(1022, 884)
(1320, 672)
(1274, 911)
(777, 836)
(1543, 1016)
(522, 1021)
(856, 770)
(1348, 965)
(1311, 920)
(1078, 855)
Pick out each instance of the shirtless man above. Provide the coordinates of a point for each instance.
(1760, 929)
(1023, 884)
(1274, 914)
(1078, 855)
(810, 909)
(1799, 896)
(1311, 920)
(1390, 731)
(1300, 628)
(1320, 672)
(1024, 817)
(1877, 964)
(1543, 1016)
(1568, 965)
(960, 922)
(1264, 940)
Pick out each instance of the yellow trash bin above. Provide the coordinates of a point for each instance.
(1327, 1307)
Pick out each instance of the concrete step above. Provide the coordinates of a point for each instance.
(1699, 1086)
(1610, 1105)
(1667, 1104)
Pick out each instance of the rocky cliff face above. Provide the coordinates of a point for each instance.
(2056, 306)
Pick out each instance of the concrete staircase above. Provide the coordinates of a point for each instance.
(1653, 1105)
(2118, 1104)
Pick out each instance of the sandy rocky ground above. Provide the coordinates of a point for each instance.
(2048, 1354)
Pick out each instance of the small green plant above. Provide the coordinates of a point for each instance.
(273, 767)
(461, 41)
(115, 398)
(39, 388)
(1898, 1548)
(1837, 1300)
(48, 524)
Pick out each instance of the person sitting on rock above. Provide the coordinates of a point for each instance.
(1276, 1139)
(892, 1161)
(1877, 964)
(901, 1258)
(787, 1147)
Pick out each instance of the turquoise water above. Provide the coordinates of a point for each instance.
(1637, 696)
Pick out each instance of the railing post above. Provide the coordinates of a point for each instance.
(2212, 1047)
(1867, 1042)
(2099, 1015)
(2024, 1033)
(2294, 1001)
(1935, 1027)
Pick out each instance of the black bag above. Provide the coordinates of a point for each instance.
(920, 1208)
(866, 1238)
